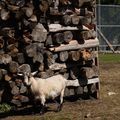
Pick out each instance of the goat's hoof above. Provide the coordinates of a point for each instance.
(58, 109)
(42, 113)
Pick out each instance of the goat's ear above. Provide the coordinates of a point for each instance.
(34, 73)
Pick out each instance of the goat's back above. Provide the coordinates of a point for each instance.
(52, 86)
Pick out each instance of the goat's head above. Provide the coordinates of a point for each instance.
(25, 71)
(28, 78)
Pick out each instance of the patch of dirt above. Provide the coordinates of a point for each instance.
(107, 107)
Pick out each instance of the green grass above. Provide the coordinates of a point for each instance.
(4, 107)
(109, 57)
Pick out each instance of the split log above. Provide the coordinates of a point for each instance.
(69, 92)
(49, 59)
(23, 89)
(15, 90)
(86, 20)
(41, 67)
(33, 49)
(68, 36)
(63, 56)
(43, 75)
(24, 99)
(8, 77)
(59, 66)
(16, 102)
(27, 38)
(66, 20)
(74, 73)
(38, 57)
(44, 6)
(7, 32)
(33, 21)
(20, 58)
(73, 45)
(88, 54)
(74, 55)
(20, 98)
(91, 34)
(58, 38)
(13, 66)
(12, 49)
(4, 14)
(29, 11)
(79, 90)
(5, 58)
(49, 41)
(75, 19)
(39, 33)
(89, 72)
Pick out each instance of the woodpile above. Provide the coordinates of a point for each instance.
(52, 36)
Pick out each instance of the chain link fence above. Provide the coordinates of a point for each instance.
(108, 27)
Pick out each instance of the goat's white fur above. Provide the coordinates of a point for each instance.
(46, 88)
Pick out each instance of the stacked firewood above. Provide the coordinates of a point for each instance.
(52, 36)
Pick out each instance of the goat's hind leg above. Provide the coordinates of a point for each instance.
(59, 108)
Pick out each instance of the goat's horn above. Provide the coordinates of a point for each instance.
(33, 73)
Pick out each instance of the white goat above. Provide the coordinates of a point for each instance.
(43, 89)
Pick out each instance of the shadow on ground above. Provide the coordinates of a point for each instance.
(35, 110)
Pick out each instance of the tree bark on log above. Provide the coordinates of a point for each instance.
(74, 55)
(48, 36)
(68, 36)
(58, 38)
(13, 67)
(63, 56)
(73, 45)
(74, 72)
(89, 72)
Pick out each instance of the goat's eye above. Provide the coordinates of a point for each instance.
(28, 76)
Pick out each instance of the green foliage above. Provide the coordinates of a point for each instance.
(4, 107)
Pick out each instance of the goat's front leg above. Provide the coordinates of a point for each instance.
(42, 111)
